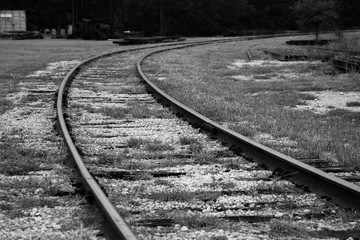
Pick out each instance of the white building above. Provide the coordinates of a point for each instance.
(12, 20)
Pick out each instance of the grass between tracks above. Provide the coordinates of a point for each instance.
(263, 99)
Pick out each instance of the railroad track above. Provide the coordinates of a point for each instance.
(149, 169)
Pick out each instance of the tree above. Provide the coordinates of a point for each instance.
(315, 13)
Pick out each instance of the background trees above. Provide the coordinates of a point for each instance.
(316, 14)
(189, 17)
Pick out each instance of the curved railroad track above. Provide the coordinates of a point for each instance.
(169, 180)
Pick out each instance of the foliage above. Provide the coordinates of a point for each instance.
(315, 13)
(178, 17)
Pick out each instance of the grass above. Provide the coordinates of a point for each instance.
(149, 145)
(197, 220)
(283, 229)
(18, 161)
(253, 107)
(186, 140)
(158, 146)
(353, 104)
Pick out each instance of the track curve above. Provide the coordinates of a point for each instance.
(274, 160)
(343, 192)
(115, 225)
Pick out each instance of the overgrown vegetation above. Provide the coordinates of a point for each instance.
(269, 107)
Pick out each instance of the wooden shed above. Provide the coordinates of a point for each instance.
(12, 20)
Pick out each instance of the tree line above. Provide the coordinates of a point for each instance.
(178, 17)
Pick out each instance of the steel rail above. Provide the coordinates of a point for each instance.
(116, 226)
(342, 192)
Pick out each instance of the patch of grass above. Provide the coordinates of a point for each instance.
(219, 183)
(5, 207)
(195, 147)
(205, 157)
(111, 158)
(353, 104)
(18, 161)
(236, 165)
(281, 229)
(345, 114)
(185, 140)
(134, 165)
(162, 182)
(207, 196)
(135, 142)
(38, 202)
(5, 105)
(158, 146)
(196, 220)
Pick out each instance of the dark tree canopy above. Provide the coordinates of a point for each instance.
(316, 13)
(176, 17)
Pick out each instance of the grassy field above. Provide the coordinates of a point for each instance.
(20, 58)
(272, 102)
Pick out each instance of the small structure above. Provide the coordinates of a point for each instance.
(12, 21)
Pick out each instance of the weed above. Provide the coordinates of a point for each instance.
(347, 215)
(195, 147)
